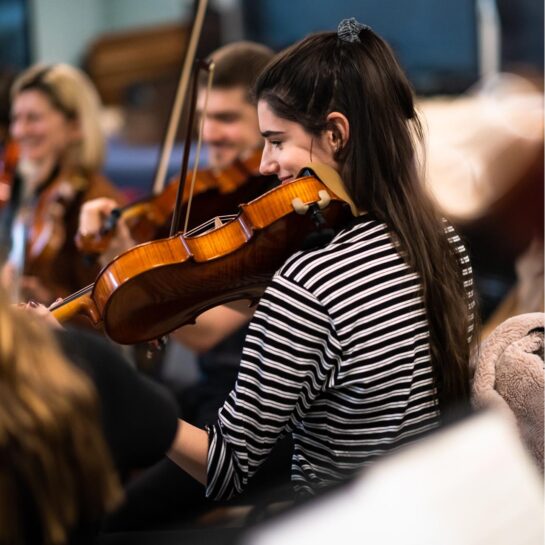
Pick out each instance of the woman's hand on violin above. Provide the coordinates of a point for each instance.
(41, 311)
(93, 215)
(120, 242)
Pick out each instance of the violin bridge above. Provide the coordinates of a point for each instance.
(211, 224)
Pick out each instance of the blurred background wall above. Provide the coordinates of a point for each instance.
(429, 35)
(61, 30)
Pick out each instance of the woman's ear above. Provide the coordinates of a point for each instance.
(338, 131)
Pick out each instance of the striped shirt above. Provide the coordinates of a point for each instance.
(337, 354)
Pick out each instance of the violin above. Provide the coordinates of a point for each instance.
(47, 233)
(8, 166)
(215, 192)
(157, 287)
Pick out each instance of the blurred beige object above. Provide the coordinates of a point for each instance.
(482, 145)
(509, 376)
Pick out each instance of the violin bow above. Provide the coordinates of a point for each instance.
(183, 83)
(176, 219)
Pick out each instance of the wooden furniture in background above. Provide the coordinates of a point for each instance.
(117, 61)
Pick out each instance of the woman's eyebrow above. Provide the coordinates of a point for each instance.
(267, 134)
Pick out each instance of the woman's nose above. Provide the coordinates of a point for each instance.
(267, 166)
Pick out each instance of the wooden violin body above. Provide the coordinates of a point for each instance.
(156, 287)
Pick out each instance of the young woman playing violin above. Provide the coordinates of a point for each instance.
(360, 345)
(55, 124)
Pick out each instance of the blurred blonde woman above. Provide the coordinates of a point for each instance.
(76, 420)
(56, 474)
(55, 112)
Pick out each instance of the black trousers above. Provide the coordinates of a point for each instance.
(165, 497)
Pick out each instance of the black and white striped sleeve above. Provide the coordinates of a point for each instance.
(290, 356)
(467, 274)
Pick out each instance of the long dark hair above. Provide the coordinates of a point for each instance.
(363, 80)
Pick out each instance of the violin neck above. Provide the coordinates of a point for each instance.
(79, 303)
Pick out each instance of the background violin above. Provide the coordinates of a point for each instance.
(215, 192)
(52, 266)
(156, 287)
(48, 231)
(147, 218)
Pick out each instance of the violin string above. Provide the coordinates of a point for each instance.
(71, 297)
(211, 67)
(210, 224)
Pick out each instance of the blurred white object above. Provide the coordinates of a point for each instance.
(472, 484)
